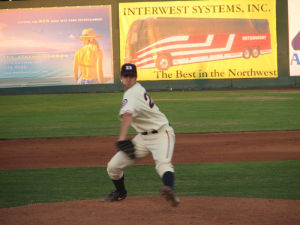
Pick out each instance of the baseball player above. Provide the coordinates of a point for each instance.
(155, 136)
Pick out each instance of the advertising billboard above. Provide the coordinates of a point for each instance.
(294, 37)
(183, 40)
(56, 46)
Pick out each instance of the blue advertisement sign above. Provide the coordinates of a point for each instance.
(56, 46)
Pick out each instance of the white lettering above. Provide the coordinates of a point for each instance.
(251, 38)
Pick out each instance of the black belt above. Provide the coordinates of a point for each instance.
(149, 132)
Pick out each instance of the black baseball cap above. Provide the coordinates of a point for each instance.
(128, 69)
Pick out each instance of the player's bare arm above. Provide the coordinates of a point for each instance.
(126, 119)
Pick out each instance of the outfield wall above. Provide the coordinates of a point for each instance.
(284, 80)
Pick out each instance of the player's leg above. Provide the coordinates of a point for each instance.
(117, 165)
(162, 148)
(115, 170)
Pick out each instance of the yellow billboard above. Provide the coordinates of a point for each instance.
(184, 40)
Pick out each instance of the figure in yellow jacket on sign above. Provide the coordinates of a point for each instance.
(88, 59)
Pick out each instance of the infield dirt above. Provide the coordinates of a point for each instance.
(189, 148)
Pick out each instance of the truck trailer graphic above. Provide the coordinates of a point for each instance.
(156, 42)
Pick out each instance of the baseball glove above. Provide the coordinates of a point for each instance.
(126, 146)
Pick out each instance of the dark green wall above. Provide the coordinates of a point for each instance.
(283, 80)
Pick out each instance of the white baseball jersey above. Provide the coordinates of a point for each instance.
(145, 117)
(145, 114)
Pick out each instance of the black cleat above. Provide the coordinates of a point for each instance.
(115, 196)
(169, 195)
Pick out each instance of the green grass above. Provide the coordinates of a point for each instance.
(65, 115)
(275, 180)
(30, 116)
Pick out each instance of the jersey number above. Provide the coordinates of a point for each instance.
(147, 97)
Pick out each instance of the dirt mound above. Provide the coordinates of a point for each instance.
(155, 210)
